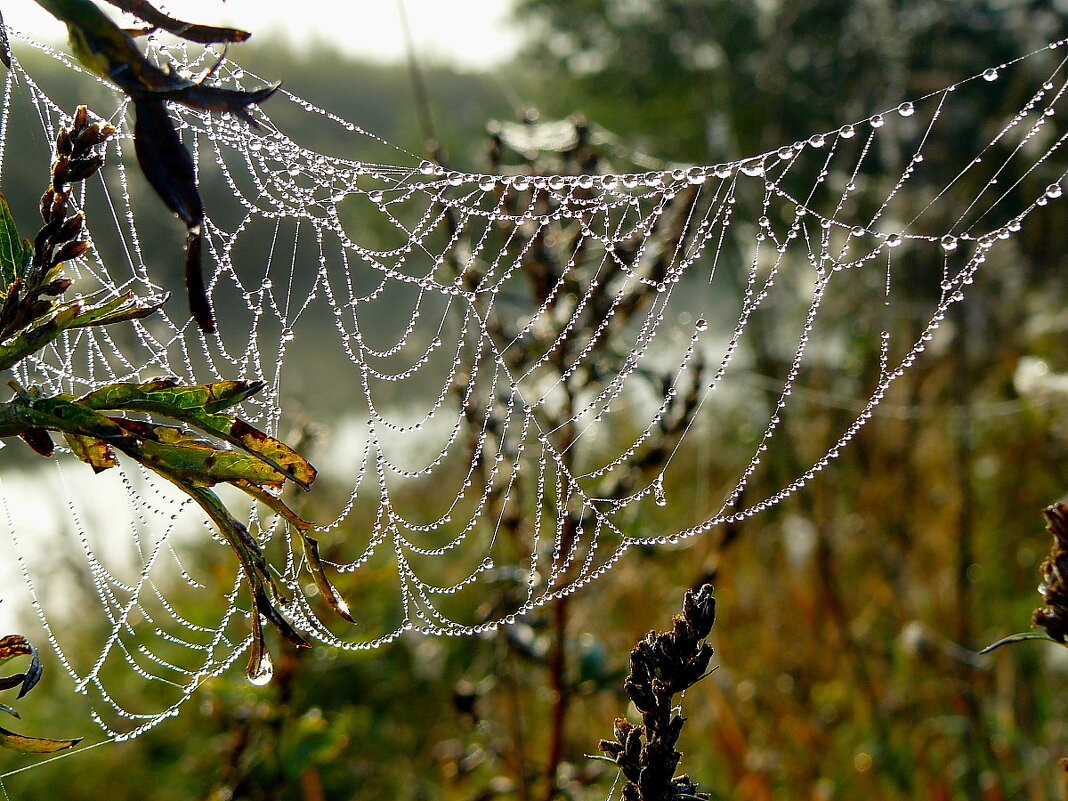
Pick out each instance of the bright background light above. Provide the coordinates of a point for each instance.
(472, 34)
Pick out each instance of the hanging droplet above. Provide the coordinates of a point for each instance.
(990, 74)
(723, 171)
(375, 197)
(521, 182)
(702, 324)
(906, 109)
(263, 672)
(894, 240)
(847, 132)
(857, 230)
(487, 183)
(877, 121)
(426, 167)
(1015, 225)
(786, 153)
(695, 175)
(817, 140)
(949, 243)
(1054, 191)
(658, 492)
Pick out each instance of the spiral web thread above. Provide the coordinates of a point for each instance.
(491, 442)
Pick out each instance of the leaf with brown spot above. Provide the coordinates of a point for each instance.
(94, 452)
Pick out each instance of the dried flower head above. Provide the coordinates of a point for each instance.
(662, 665)
(1053, 617)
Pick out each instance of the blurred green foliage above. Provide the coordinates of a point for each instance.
(848, 614)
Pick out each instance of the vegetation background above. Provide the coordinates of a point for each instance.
(848, 614)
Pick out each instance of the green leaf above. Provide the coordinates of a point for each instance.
(15, 252)
(117, 310)
(326, 589)
(21, 346)
(178, 453)
(33, 745)
(198, 406)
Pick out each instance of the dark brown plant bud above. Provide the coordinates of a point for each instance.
(82, 168)
(45, 240)
(70, 250)
(57, 287)
(59, 169)
(64, 145)
(92, 136)
(71, 227)
(81, 117)
(47, 200)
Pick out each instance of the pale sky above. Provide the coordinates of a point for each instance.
(466, 33)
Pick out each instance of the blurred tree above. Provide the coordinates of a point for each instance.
(712, 80)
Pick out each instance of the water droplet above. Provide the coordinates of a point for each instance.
(847, 132)
(723, 171)
(1054, 191)
(990, 74)
(857, 231)
(585, 181)
(521, 182)
(906, 109)
(375, 197)
(426, 167)
(695, 175)
(702, 324)
(893, 240)
(658, 493)
(786, 153)
(487, 183)
(263, 672)
(817, 140)
(877, 121)
(1015, 225)
(949, 243)
(753, 168)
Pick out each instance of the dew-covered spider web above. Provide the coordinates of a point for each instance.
(523, 372)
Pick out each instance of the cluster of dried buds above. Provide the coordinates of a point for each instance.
(661, 666)
(29, 293)
(1053, 617)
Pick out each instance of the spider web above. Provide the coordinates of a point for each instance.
(524, 371)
